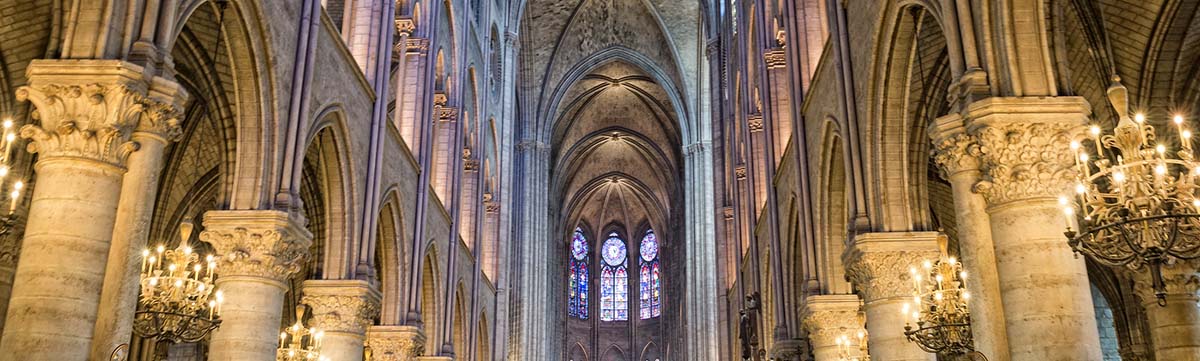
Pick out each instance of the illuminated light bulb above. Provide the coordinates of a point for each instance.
(1062, 201)
(1083, 157)
(962, 275)
(146, 253)
(912, 270)
(1080, 188)
(928, 264)
(1119, 177)
(952, 261)
(8, 123)
(906, 308)
(171, 268)
(1160, 149)
(1178, 119)
(1095, 130)
(10, 137)
(201, 288)
(966, 295)
(161, 248)
(1139, 117)
(1074, 145)
(939, 278)
(154, 281)
(3, 171)
(178, 283)
(187, 250)
(937, 296)
(1196, 203)
(1187, 134)
(1069, 211)
(18, 185)
(1160, 169)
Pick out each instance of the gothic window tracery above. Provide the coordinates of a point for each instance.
(614, 280)
(578, 297)
(651, 278)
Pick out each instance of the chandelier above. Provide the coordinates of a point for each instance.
(7, 220)
(939, 307)
(305, 344)
(847, 351)
(1137, 196)
(178, 302)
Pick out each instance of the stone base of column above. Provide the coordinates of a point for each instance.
(343, 309)
(829, 317)
(395, 343)
(879, 264)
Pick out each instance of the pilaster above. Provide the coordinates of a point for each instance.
(878, 264)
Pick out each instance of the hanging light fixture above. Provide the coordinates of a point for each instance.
(298, 343)
(939, 306)
(1135, 197)
(178, 300)
(15, 186)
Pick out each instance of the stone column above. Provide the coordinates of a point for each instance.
(828, 317)
(1023, 146)
(878, 264)
(343, 309)
(957, 156)
(159, 126)
(395, 343)
(259, 251)
(87, 110)
(1174, 327)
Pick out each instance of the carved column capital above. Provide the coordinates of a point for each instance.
(755, 122)
(264, 244)
(417, 46)
(775, 59)
(405, 27)
(164, 109)
(348, 306)
(1023, 145)
(953, 149)
(85, 108)
(828, 317)
(395, 343)
(879, 263)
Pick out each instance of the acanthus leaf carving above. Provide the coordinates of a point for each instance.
(883, 274)
(91, 121)
(1025, 160)
(262, 253)
(342, 313)
(955, 153)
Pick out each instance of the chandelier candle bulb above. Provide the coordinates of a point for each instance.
(1139, 214)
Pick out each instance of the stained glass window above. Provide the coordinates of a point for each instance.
(614, 280)
(578, 289)
(651, 290)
